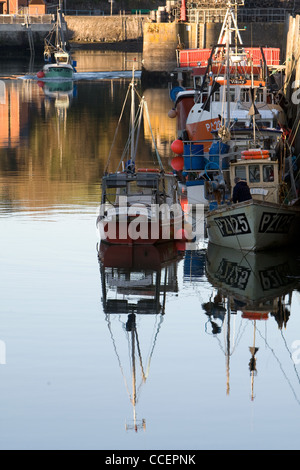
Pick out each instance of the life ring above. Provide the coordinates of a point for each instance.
(255, 154)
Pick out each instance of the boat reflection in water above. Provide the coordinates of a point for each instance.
(135, 282)
(258, 286)
(60, 93)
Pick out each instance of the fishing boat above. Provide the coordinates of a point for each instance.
(248, 143)
(269, 218)
(139, 205)
(233, 84)
(198, 106)
(58, 61)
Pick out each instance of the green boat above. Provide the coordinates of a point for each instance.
(58, 60)
(60, 69)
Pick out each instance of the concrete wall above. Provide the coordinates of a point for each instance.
(159, 46)
(161, 40)
(16, 36)
(292, 81)
(86, 29)
(105, 28)
(293, 50)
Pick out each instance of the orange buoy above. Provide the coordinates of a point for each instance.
(255, 154)
(40, 74)
(177, 163)
(177, 146)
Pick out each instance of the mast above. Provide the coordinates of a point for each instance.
(252, 364)
(63, 44)
(228, 35)
(228, 349)
(230, 25)
(132, 156)
(133, 373)
(131, 327)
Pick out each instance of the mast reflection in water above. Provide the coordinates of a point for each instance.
(249, 287)
(135, 283)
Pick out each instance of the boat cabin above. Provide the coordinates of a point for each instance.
(142, 187)
(240, 99)
(61, 57)
(262, 177)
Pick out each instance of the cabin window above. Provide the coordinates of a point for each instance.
(140, 187)
(265, 124)
(217, 96)
(268, 173)
(240, 172)
(259, 95)
(240, 124)
(245, 98)
(254, 174)
(232, 94)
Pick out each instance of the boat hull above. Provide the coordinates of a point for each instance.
(138, 257)
(58, 72)
(133, 232)
(253, 225)
(184, 103)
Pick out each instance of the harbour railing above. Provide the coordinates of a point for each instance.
(244, 15)
(24, 19)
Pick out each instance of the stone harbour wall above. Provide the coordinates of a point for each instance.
(82, 29)
(101, 29)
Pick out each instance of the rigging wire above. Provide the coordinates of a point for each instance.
(116, 131)
(280, 365)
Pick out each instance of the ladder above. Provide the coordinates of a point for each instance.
(30, 35)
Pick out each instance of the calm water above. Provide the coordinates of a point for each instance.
(155, 349)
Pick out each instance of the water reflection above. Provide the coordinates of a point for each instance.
(54, 134)
(249, 288)
(61, 92)
(209, 323)
(102, 61)
(88, 61)
(135, 283)
(163, 128)
(14, 110)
